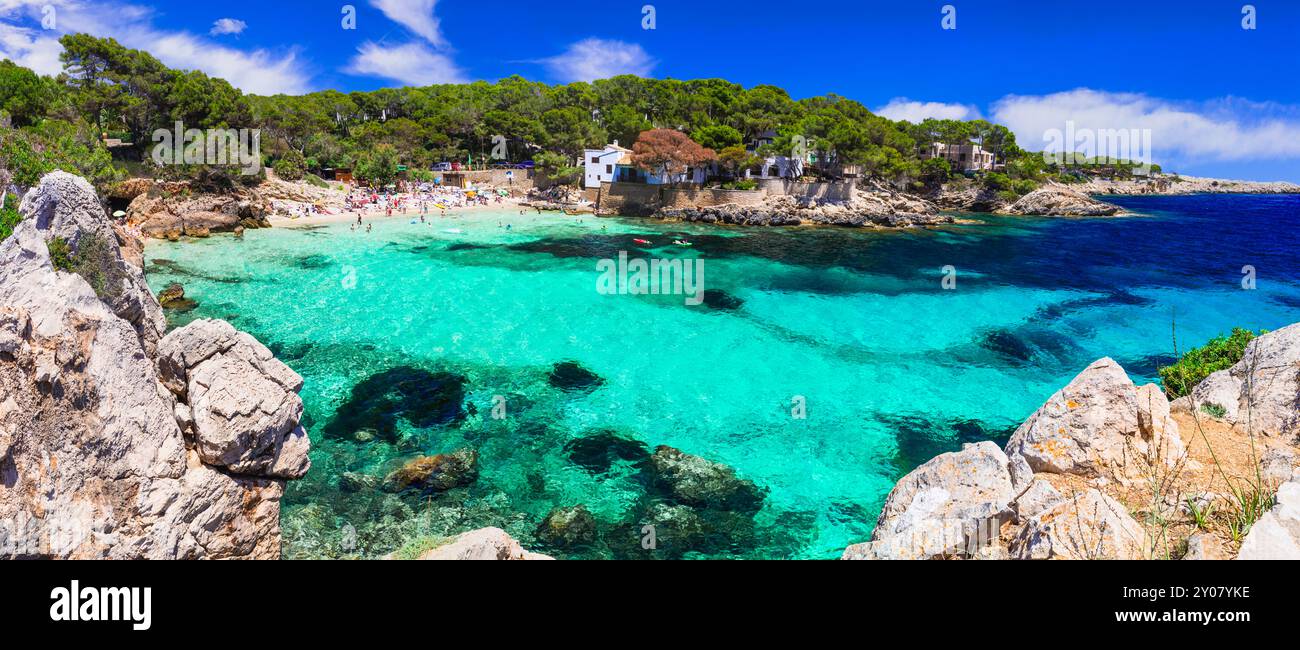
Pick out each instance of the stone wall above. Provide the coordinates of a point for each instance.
(841, 191)
(637, 197)
(523, 178)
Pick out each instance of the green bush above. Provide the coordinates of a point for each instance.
(317, 181)
(1214, 410)
(60, 254)
(741, 184)
(997, 182)
(96, 262)
(1198, 363)
(291, 166)
(1023, 187)
(9, 217)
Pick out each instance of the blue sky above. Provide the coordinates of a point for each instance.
(1217, 99)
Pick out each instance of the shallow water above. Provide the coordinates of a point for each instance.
(892, 368)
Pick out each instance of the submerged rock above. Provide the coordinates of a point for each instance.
(422, 398)
(352, 482)
(1006, 344)
(173, 296)
(438, 473)
(568, 527)
(569, 376)
(719, 299)
(598, 452)
(697, 482)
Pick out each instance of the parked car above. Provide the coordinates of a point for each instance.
(442, 167)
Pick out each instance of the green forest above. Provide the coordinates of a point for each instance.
(107, 90)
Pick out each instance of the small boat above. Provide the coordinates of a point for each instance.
(453, 231)
(643, 242)
(681, 242)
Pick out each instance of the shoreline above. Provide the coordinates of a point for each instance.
(281, 221)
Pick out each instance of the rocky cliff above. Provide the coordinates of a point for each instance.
(115, 440)
(1169, 184)
(1109, 470)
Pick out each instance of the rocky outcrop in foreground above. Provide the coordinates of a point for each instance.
(116, 441)
(1276, 536)
(1101, 437)
(1100, 425)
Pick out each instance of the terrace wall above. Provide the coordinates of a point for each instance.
(633, 198)
(840, 191)
(523, 178)
(637, 197)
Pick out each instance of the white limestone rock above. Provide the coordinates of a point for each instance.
(1039, 497)
(482, 544)
(1276, 536)
(244, 402)
(946, 507)
(1099, 426)
(93, 463)
(65, 206)
(1262, 391)
(1083, 526)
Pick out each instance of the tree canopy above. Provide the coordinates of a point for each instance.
(113, 91)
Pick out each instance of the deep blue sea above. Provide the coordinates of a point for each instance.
(409, 335)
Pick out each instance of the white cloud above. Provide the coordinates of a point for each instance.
(412, 63)
(30, 48)
(595, 58)
(258, 71)
(1228, 129)
(227, 26)
(902, 108)
(415, 15)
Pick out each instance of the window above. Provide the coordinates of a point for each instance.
(609, 169)
(595, 160)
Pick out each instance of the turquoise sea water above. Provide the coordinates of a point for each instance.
(411, 332)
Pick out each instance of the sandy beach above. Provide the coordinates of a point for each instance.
(281, 221)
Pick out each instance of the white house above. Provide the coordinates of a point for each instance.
(779, 167)
(601, 165)
(613, 164)
(964, 157)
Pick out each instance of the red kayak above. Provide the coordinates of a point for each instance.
(641, 241)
